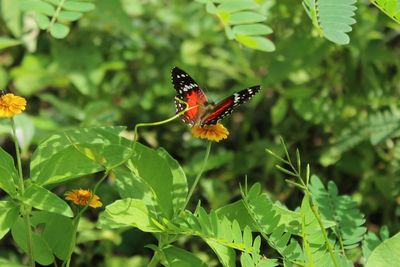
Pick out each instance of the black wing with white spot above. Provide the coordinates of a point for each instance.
(226, 106)
(189, 92)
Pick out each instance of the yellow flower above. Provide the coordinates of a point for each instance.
(11, 105)
(82, 197)
(214, 133)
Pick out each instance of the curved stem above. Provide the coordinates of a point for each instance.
(198, 175)
(26, 210)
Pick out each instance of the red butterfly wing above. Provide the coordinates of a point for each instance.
(190, 92)
(226, 106)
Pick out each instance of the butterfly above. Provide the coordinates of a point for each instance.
(200, 110)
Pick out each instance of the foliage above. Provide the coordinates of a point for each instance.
(332, 18)
(53, 15)
(86, 66)
(389, 7)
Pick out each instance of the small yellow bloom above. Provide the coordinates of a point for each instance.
(11, 105)
(82, 197)
(214, 133)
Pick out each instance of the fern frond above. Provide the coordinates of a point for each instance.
(275, 223)
(343, 210)
(376, 128)
(222, 235)
(383, 125)
(242, 22)
(332, 18)
(390, 7)
(55, 15)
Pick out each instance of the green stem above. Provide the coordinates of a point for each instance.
(78, 217)
(26, 210)
(54, 18)
(198, 175)
(154, 260)
(147, 124)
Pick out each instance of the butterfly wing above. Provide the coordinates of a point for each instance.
(190, 92)
(227, 105)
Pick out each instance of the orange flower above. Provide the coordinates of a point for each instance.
(216, 132)
(82, 197)
(11, 105)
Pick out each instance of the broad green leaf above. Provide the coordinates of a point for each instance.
(147, 164)
(8, 173)
(252, 29)
(41, 250)
(41, 198)
(178, 257)
(128, 212)
(58, 159)
(179, 181)
(130, 185)
(6, 42)
(58, 30)
(245, 17)
(256, 42)
(78, 6)
(57, 231)
(9, 212)
(387, 254)
(66, 165)
(65, 107)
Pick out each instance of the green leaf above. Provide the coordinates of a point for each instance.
(279, 110)
(332, 18)
(252, 29)
(43, 199)
(387, 254)
(59, 30)
(10, 263)
(225, 254)
(6, 42)
(390, 7)
(236, 5)
(57, 159)
(78, 6)
(41, 250)
(8, 173)
(256, 42)
(179, 181)
(38, 6)
(128, 212)
(180, 258)
(11, 14)
(245, 17)
(25, 131)
(57, 231)
(147, 164)
(69, 15)
(42, 20)
(9, 212)
(340, 209)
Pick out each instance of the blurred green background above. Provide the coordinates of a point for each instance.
(338, 104)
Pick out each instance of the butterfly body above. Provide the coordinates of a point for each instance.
(201, 111)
